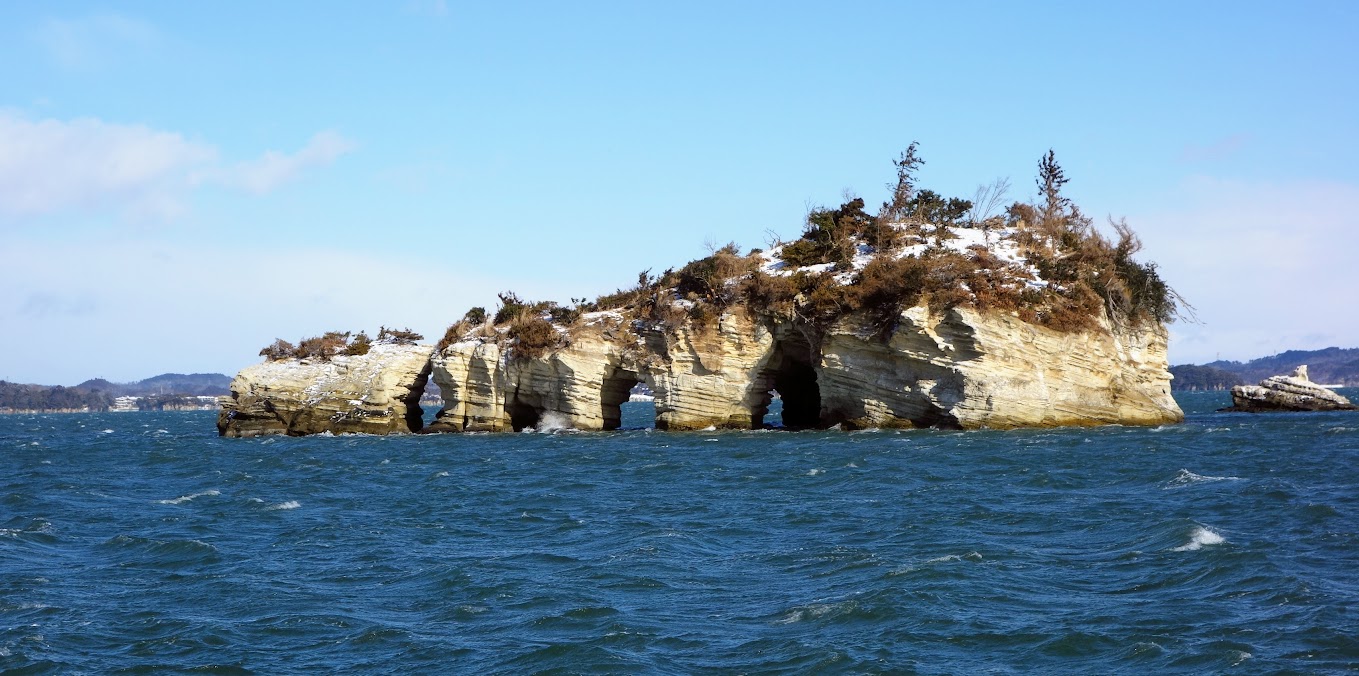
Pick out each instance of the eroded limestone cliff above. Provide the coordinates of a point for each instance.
(956, 369)
(373, 393)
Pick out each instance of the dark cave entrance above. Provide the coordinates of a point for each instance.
(522, 415)
(614, 390)
(790, 373)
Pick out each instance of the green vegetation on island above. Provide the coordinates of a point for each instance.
(1043, 261)
(333, 343)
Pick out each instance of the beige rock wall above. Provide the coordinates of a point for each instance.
(959, 369)
(965, 369)
(375, 393)
(709, 375)
(579, 386)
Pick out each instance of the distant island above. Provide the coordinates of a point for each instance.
(168, 391)
(1330, 366)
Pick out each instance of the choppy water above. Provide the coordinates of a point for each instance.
(142, 542)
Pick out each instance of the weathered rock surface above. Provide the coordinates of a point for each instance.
(970, 370)
(1293, 392)
(579, 386)
(374, 393)
(956, 369)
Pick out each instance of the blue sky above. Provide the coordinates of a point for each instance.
(180, 183)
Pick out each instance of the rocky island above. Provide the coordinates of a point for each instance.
(1292, 392)
(933, 312)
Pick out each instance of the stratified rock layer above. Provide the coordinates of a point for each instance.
(374, 393)
(956, 369)
(1293, 392)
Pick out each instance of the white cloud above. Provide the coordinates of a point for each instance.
(275, 168)
(1220, 149)
(1268, 265)
(436, 8)
(53, 165)
(91, 41)
(132, 309)
(48, 165)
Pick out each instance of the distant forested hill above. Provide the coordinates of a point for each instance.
(1191, 377)
(98, 394)
(193, 384)
(21, 397)
(1331, 366)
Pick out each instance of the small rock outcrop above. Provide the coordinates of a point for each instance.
(373, 393)
(1293, 392)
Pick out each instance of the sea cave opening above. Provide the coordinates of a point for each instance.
(522, 415)
(615, 390)
(791, 374)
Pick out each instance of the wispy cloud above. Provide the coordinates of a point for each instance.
(53, 165)
(43, 304)
(436, 8)
(47, 165)
(274, 168)
(91, 41)
(1268, 265)
(1214, 151)
(121, 290)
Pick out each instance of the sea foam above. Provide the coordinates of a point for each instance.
(1185, 478)
(188, 498)
(1199, 538)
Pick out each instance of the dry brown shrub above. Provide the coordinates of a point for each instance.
(769, 295)
(532, 336)
(670, 315)
(398, 336)
(454, 334)
(709, 277)
(359, 346)
(1074, 310)
(823, 300)
(279, 349)
(886, 286)
(322, 347)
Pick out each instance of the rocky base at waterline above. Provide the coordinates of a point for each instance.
(1293, 392)
(953, 369)
(373, 393)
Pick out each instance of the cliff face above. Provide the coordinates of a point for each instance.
(580, 386)
(374, 393)
(956, 369)
(966, 369)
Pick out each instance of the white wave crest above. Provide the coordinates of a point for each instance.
(970, 556)
(814, 472)
(552, 422)
(1185, 478)
(291, 504)
(816, 611)
(188, 498)
(1199, 538)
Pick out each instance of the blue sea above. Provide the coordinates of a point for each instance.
(143, 543)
